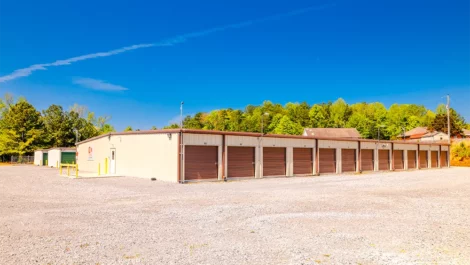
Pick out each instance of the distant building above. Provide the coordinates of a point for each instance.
(349, 133)
(424, 135)
(466, 133)
(434, 137)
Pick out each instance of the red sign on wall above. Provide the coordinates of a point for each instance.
(90, 153)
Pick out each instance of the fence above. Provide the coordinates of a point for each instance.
(22, 159)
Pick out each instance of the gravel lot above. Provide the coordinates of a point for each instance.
(420, 217)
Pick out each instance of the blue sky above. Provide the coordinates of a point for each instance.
(316, 51)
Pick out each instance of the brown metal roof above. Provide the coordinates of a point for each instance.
(417, 130)
(333, 132)
(252, 134)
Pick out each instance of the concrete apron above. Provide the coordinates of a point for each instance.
(88, 175)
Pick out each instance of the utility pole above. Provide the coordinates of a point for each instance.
(262, 123)
(448, 116)
(181, 142)
(76, 135)
(181, 114)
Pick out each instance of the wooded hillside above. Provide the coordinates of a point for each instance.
(293, 117)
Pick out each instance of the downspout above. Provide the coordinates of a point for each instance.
(181, 158)
(418, 162)
(439, 158)
(359, 157)
(393, 158)
(223, 158)
(317, 157)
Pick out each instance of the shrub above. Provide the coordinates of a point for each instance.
(460, 150)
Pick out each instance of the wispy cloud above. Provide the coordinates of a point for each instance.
(97, 84)
(167, 42)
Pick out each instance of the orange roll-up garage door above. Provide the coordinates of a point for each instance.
(348, 160)
(327, 160)
(434, 157)
(303, 161)
(398, 161)
(200, 162)
(411, 159)
(240, 162)
(367, 160)
(274, 161)
(444, 159)
(384, 160)
(423, 159)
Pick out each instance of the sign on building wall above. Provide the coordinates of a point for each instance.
(90, 153)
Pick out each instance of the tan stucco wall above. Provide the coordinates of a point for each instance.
(231, 140)
(405, 146)
(423, 147)
(138, 155)
(444, 148)
(53, 157)
(368, 145)
(37, 158)
(100, 148)
(337, 144)
(202, 139)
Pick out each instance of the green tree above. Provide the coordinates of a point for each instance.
(441, 109)
(299, 113)
(107, 128)
(320, 115)
(21, 129)
(440, 123)
(128, 129)
(287, 126)
(81, 126)
(339, 113)
(6, 103)
(195, 122)
(59, 127)
(172, 126)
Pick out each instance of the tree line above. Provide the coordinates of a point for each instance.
(24, 129)
(370, 119)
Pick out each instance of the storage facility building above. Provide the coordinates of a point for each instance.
(40, 157)
(186, 155)
(58, 155)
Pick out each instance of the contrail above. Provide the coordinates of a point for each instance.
(166, 42)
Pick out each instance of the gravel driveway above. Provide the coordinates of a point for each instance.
(419, 217)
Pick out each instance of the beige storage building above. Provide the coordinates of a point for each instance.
(41, 157)
(187, 155)
(58, 155)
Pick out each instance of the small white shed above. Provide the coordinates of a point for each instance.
(59, 155)
(40, 157)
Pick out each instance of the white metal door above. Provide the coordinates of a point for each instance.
(112, 161)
